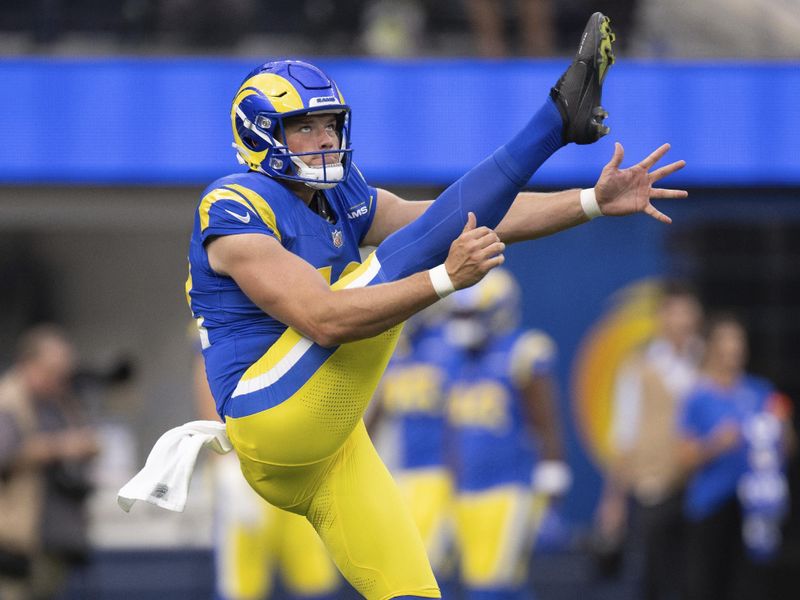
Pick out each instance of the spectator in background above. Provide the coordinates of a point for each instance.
(644, 468)
(718, 29)
(393, 27)
(536, 27)
(45, 449)
(734, 437)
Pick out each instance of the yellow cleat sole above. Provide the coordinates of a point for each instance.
(606, 54)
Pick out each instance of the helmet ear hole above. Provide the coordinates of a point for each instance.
(249, 141)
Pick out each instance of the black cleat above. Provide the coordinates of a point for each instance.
(577, 93)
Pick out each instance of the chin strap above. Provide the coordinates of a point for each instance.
(319, 178)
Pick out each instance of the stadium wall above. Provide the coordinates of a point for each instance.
(419, 122)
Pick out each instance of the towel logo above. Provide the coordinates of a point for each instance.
(160, 491)
(338, 238)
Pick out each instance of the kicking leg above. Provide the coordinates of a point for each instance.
(487, 190)
(571, 114)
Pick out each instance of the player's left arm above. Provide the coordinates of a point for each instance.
(531, 370)
(541, 411)
(618, 192)
(551, 475)
(533, 215)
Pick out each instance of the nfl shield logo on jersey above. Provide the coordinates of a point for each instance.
(338, 238)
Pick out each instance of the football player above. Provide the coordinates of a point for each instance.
(505, 444)
(410, 400)
(297, 332)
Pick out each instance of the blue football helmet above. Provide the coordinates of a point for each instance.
(269, 95)
(490, 307)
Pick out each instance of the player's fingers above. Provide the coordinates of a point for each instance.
(471, 222)
(486, 236)
(654, 157)
(656, 214)
(664, 193)
(667, 170)
(475, 236)
(619, 154)
(495, 261)
(493, 249)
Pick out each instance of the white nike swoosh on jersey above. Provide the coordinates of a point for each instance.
(245, 218)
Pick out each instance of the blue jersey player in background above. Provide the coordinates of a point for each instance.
(505, 441)
(410, 403)
(296, 333)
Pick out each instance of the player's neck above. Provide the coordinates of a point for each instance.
(723, 376)
(301, 190)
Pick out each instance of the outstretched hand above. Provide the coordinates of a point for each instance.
(627, 191)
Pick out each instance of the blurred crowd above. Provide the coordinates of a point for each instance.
(397, 28)
(697, 485)
(50, 444)
(46, 445)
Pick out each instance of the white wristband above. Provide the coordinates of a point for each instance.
(551, 477)
(442, 284)
(589, 204)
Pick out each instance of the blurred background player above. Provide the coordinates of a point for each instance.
(645, 468)
(505, 435)
(410, 401)
(46, 445)
(735, 435)
(254, 542)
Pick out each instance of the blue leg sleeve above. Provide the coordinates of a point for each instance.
(487, 190)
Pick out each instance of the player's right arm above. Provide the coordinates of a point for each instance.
(289, 289)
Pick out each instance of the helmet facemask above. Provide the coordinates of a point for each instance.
(489, 308)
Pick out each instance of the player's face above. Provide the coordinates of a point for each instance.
(727, 347)
(680, 318)
(309, 133)
(50, 373)
(466, 330)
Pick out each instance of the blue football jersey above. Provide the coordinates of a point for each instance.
(707, 407)
(233, 330)
(413, 397)
(489, 442)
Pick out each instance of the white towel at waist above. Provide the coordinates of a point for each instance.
(164, 480)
